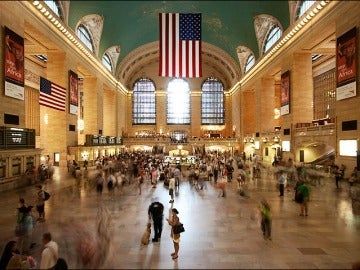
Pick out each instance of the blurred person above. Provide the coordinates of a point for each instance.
(171, 187)
(99, 183)
(221, 185)
(10, 250)
(177, 175)
(111, 185)
(139, 182)
(40, 203)
(266, 219)
(303, 197)
(156, 213)
(28, 227)
(50, 253)
(281, 181)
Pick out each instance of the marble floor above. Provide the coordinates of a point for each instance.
(221, 233)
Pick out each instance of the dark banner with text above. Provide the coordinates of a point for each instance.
(14, 64)
(346, 65)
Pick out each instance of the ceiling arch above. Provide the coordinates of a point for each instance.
(132, 24)
(216, 62)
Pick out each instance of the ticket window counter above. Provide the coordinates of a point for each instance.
(2, 168)
(29, 163)
(16, 166)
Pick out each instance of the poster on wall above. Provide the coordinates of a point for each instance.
(73, 92)
(14, 64)
(285, 93)
(346, 65)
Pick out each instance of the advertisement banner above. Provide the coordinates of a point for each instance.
(74, 92)
(14, 64)
(285, 93)
(346, 65)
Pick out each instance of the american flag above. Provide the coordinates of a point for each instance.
(52, 95)
(180, 45)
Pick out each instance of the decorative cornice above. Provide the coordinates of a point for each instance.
(47, 16)
(288, 37)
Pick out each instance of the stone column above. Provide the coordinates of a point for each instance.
(54, 137)
(91, 112)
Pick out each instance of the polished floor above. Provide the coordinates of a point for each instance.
(221, 233)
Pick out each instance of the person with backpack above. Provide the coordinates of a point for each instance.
(41, 197)
(40, 203)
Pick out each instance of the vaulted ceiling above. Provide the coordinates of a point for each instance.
(132, 24)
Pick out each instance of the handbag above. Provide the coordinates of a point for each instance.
(179, 228)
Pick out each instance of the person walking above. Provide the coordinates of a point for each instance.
(156, 213)
(282, 179)
(50, 253)
(99, 183)
(173, 221)
(171, 187)
(40, 203)
(28, 225)
(266, 219)
(303, 197)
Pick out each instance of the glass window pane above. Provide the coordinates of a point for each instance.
(273, 36)
(212, 102)
(178, 102)
(144, 104)
(107, 62)
(85, 37)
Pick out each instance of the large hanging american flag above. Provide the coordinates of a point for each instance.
(52, 95)
(180, 45)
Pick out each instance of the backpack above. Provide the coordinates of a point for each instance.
(46, 195)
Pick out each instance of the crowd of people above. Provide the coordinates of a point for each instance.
(135, 169)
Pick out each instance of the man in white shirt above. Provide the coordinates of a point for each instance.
(171, 188)
(50, 252)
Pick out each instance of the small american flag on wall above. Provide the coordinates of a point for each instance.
(180, 45)
(52, 95)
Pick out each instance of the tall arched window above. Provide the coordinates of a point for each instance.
(178, 102)
(303, 6)
(249, 62)
(55, 7)
(85, 36)
(144, 105)
(273, 36)
(212, 102)
(106, 60)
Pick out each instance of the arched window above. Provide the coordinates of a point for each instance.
(143, 103)
(55, 7)
(85, 36)
(249, 62)
(273, 36)
(106, 60)
(178, 102)
(212, 102)
(303, 6)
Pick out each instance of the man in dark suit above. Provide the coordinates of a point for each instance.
(156, 213)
